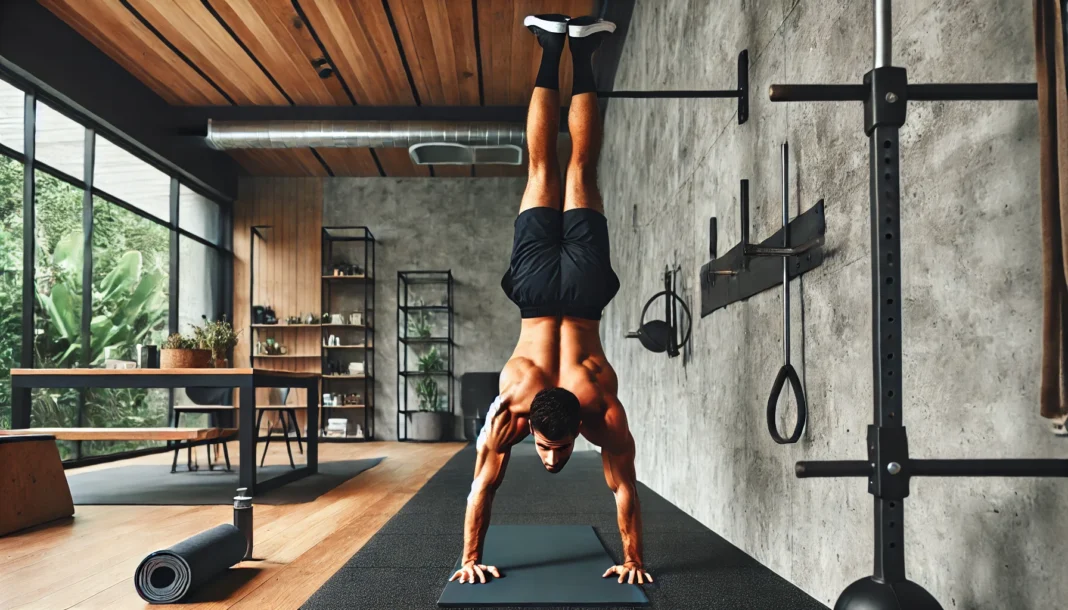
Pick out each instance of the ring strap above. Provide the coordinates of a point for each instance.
(787, 372)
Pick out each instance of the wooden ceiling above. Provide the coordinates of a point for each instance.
(327, 52)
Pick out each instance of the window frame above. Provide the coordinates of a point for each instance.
(223, 300)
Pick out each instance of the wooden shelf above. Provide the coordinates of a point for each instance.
(345, 326)
(286, 325)
(286, 355)
(345, 377)
(348, 346)
(344, 407)
(347, 277)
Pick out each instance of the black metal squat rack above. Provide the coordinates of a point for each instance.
(885, 93)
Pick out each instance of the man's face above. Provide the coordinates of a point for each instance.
(553, 454)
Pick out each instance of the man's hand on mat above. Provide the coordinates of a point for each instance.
(629, 570)
(471, 569)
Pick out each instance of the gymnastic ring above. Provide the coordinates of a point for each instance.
(787, 372)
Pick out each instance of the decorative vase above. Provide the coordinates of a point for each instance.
(430, 425)
(185, 358)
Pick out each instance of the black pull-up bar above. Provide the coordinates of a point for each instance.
(939, 468)
(919, 93)
(741, 92)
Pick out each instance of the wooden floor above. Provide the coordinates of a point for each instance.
(89, 561)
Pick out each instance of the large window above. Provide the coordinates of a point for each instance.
(137, 213)
(130, 179)
(12, 107)
(10, 278)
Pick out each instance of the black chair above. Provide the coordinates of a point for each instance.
(287, 416)
(217, 403)
(477, 393)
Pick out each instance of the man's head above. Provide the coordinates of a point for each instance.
(554, 422)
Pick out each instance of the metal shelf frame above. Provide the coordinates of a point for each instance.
(331, 285)
(405, 281)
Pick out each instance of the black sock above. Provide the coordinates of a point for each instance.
(549, 72)
(582, 58)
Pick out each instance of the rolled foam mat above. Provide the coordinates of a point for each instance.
(169, 575)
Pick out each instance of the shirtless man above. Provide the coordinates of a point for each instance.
(558, 383)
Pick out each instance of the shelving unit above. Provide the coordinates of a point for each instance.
(260, 235)
(430, 322)
(354, 291)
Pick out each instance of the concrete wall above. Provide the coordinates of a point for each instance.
(971, 290)
(462, 224)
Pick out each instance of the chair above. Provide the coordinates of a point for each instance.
(214, 402)
(285, 412)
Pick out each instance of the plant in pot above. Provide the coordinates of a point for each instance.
(432, 422)
(218, 337)
(179, 352)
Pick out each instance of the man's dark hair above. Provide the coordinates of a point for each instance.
(554, 413)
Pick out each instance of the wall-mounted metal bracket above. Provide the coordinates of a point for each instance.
(742, 92)
(748, 269)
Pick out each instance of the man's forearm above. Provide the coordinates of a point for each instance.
(476, 521)
(629, 519)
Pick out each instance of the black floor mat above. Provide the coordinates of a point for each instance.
(543, 565)
(407, 564)
(156, 485)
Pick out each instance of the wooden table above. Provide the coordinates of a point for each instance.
(246, 380)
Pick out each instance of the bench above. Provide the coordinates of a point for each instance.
(33, 485)
(185, 437)
(126, 434)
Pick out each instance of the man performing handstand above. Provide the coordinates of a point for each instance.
(558, 383)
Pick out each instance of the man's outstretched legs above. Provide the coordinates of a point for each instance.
(584, 118)
(543, 117)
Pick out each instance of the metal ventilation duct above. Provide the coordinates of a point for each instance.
(225, 135)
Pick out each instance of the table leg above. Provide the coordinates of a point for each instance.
(20, 413)
(246, 435)
(313, 425)
(312, 439)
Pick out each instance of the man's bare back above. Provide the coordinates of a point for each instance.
(561, 353)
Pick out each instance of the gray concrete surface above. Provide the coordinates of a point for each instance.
(462, 224)
(971, 290)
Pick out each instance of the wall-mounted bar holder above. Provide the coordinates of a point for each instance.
(885, 93)
(742, 92)
(748, 269)
(660, 336)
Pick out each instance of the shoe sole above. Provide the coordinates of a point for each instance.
(582, 31)
(553, 27)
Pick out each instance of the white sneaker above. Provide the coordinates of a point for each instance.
(552, 24)
(583, 27)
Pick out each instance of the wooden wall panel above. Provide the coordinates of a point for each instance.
(275, 34)
(116, 32)
(438, 39)
(357, 35)
(286, 269)
(511, 55)
(195, 32)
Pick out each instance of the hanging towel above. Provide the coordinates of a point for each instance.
(1053, 143)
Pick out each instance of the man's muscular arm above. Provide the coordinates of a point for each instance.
(490, 465)
(617, 455)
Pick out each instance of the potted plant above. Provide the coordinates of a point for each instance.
(180, 352)
(432, 422)
(218, 337)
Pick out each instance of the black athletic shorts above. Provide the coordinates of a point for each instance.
(561, 265)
